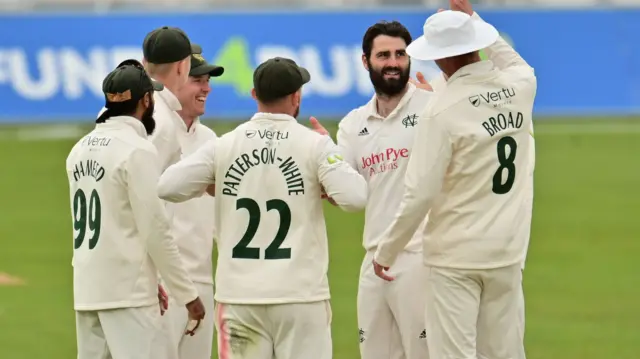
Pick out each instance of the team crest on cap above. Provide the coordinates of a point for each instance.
(198, 57)
(119, 97)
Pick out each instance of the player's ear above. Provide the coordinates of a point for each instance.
(180, 67)
(364, 62)
(187, 64)
(147, 99)
(141, 105)
(297, 97)
(253, 94)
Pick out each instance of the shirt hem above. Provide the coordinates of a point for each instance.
(116, 305)
(442, 264)
(199, 281)
(411, 247)
(263, 301)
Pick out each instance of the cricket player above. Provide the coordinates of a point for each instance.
(122, 237)
(377, 140)
(192, 222)
(470, 172)
(167, 58)
(272, 295)
(499, 53)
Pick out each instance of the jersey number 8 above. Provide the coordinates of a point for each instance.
(273, 251)
(506, 163)
(80, 220)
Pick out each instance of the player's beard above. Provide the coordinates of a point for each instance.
(389, 87)
(148, 121)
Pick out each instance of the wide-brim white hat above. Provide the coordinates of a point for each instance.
(451, 33)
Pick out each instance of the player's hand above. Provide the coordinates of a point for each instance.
(461, 5)
(163, 299)
(380, 271)
(316, 126)
(324, 195)
(211, 190)
(421, 83)
(196, 314)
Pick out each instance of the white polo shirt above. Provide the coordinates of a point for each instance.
(499, 54)
(379, 148)
(269, 174)
(472, 169)
(122, 234)
(193, 221)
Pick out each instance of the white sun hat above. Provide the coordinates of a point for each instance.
(451, 33)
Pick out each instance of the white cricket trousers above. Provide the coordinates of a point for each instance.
(176, 320)
(521, 326)
(282, 331)
(127, 333)
(391, 314)
(474, 314)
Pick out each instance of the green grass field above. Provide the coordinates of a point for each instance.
(581, 282)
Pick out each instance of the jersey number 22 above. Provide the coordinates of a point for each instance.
(273, 251)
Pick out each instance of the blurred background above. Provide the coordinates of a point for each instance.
(55, 53)
(581, 278)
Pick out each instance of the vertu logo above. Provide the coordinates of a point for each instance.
(475, 100)
(495, 98)
(250, 133)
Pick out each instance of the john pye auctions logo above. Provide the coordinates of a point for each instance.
(386, 160)
(497, 98)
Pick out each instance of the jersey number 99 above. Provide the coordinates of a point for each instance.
(84, 216)
(273, 251)
(506, 163)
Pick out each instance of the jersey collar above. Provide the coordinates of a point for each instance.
(272, 116)
(170, 99)
(191, 129)
(372, 106)
(122, 121)
(477, 68)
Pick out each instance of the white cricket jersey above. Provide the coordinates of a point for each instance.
(500, 56)
(379, 149)
(193, 221)
(472, 168)
(121, 232)
(269, 173)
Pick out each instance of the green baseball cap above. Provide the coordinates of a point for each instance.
(127, 83)
(278, 77)
(200, 66)
(166, 45)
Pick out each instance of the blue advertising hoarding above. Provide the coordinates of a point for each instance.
(52, 65)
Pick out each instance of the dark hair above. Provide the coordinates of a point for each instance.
(392, 29)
